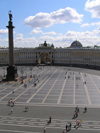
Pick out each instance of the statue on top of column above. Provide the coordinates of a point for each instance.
(10, 16)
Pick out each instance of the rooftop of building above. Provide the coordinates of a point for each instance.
(76, 44)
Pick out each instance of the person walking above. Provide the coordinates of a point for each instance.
(85, 110)
(70, 125)
(78, 123)
(44, 130)
(66, 128)
(49, 120)
(77, 109)
(11, 101)
(11, 110)
(76, 114)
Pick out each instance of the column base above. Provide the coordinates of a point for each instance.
(11, 73)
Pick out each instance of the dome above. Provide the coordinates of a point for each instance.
(76, 44)
(52, 46)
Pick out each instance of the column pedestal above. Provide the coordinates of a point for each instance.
(11, 73)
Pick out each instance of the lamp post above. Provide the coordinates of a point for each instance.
(22, 72)
(4, 68)
(26, 74)
(31, 68)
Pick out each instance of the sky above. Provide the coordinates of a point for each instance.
(59, 22)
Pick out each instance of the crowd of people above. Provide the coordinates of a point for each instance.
(78, 121)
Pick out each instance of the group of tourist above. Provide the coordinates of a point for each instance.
(69, 125)
(78, 122)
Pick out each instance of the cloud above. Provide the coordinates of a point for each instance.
(84, 25)
(93, 7)
(37, 31)
(19, 35)
(3, 42)
(87, 38)
(50, 33)
(42, 20)
(3, 31)
(98, 30)
(92, 24)
(20, 41)
(96, 23)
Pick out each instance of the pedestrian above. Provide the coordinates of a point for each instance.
(34, 84)
(85, 110)
(11, 110)
(11, 101)
(77, 109)
(8, 102)
(49, 120)
(44, 129)
(70, 125)
(76, 114)
(78, 123)
(66, 128)
(26, 108)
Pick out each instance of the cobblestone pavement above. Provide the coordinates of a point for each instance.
(37, 122)
(59, 87)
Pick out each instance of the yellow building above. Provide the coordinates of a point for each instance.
(75, 55)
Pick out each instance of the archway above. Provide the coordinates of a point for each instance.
(45, 58)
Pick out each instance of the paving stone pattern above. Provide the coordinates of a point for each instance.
(56, 85)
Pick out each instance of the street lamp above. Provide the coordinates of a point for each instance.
(26, 74)
(4, 68)
(31, 68)
(22, 72)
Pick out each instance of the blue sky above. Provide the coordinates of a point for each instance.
(57, 21)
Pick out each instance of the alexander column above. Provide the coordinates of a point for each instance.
(11, 69)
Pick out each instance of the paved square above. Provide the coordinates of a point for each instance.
(56, 88)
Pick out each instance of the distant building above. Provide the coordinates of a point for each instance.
(75, 55)
(76, 44)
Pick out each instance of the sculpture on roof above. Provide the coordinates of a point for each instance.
(45, 44)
